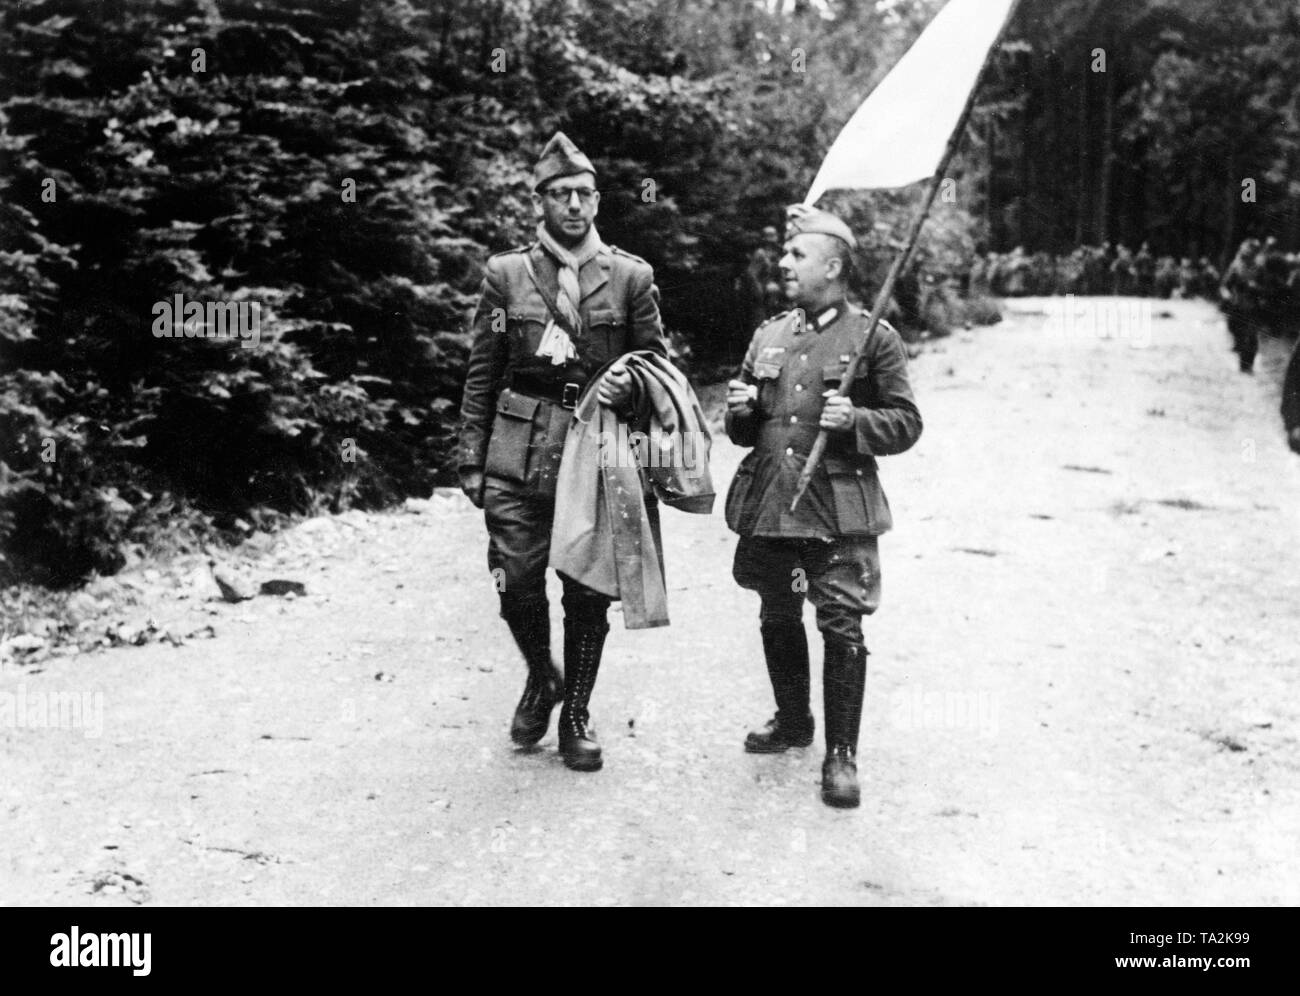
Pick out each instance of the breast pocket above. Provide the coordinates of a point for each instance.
(833, 374)
(526, 326)
(606, 335)
(767, 376)
(512, 436)
(859, 393)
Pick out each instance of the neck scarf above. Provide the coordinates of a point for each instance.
(555, 341)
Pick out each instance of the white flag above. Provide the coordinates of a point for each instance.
(899, 133)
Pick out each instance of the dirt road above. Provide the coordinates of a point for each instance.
(1084, 685)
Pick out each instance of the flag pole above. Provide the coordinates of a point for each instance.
(900, 263)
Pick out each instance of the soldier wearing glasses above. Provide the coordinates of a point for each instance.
(549, 315)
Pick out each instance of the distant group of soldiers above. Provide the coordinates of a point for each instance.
(1093, 270)
(1259, 291)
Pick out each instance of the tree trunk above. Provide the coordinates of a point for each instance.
(991, 147)
(1137, 199)
(1081, 139)
(1293, 212)
(1055, 82)
(1233, 189)
(1107, 177)
(1026, 147)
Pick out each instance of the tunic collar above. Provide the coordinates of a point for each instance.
(820, 320)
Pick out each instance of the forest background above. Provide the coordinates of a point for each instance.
(350, 165)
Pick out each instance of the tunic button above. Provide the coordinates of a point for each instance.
(804, 357)
(859, 473)
(798, 387)
(789, 451)
(793, 419)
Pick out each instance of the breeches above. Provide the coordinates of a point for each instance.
(519, 544)
(841, 577)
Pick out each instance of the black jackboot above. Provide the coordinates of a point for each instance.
(785, 647)
(844, 680)
(530, 624)
(583, 642)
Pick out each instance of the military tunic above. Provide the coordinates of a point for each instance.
(516, 407)
(828, 545)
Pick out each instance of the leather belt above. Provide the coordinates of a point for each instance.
(563, 394)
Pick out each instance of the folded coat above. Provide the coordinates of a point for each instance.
(612, 472)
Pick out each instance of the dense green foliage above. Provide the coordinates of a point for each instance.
(207, 148)
(204, 149)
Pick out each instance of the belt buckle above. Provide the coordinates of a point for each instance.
(569, 397)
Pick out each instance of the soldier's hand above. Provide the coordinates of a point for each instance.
(740, 397)
(615, 388)
(471, 482)
(837, 413)
(1293, 439)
